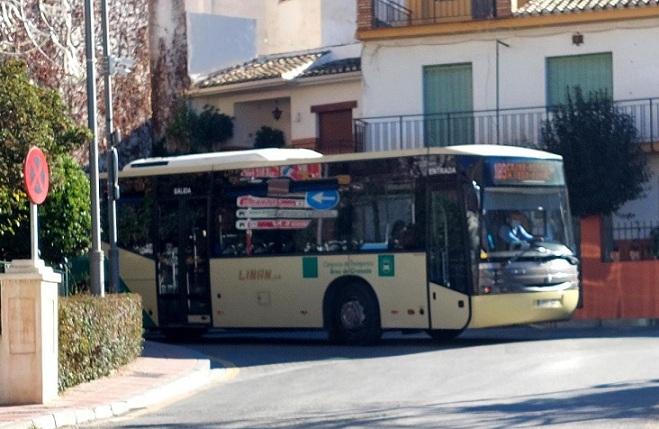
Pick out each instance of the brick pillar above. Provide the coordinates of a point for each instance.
(364, 14)
(503, 8)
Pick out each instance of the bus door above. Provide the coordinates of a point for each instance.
(448, 265)
(182, 262)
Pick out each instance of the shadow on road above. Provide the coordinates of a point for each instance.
(610, 405)
(257, 348)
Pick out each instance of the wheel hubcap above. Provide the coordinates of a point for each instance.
(352, 315)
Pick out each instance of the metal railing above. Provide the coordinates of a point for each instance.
(389, 13)
(631, 241)
(515, 127)
(403, 13)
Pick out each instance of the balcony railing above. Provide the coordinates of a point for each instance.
(515, 127)
(402, 13)
(630, 241)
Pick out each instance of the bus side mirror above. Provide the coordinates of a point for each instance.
(473, 197)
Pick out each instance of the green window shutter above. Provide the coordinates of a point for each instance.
(448, 104)
(592, 73)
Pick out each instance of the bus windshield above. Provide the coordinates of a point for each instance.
(520, 218)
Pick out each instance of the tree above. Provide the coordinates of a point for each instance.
(192, 132)
(29, 116)
(604, 164)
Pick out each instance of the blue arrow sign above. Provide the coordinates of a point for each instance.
(322, 200)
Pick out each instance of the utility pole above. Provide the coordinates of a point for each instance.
(113, 194)
(95, 253)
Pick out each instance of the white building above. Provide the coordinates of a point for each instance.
(486, 71)
(292, 65)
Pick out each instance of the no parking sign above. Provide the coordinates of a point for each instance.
(35, 175)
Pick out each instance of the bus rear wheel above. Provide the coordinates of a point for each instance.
(356, 318)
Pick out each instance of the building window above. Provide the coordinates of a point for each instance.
(592, 73)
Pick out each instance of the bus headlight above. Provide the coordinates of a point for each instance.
(489, 279)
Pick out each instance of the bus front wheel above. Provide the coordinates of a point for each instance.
(356, 319)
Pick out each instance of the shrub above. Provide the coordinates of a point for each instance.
(269, 137)
(97, 335)
(30, 115)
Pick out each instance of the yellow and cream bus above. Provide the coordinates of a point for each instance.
(434, 239)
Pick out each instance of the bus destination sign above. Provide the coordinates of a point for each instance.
(531, 173)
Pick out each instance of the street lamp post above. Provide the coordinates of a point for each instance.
(95, 253)
(111, 153)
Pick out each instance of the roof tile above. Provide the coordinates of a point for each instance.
(297, 65)
(546, 7)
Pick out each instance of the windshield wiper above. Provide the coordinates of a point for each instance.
(570, 258)
(536, 244)
(533, 244)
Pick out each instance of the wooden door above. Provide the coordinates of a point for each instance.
(335, 132)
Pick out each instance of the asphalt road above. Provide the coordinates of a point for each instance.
(522, 377)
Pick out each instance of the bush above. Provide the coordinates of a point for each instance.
(97, 335)
(269, 137)
(193, 132)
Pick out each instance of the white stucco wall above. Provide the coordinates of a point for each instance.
(303, 123)
(291, 25)
(250, 116)
(216, 42)
(522, 66)
(225, 32)
(339, 22)
(646, 207)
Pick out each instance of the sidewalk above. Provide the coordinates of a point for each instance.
(163, 372)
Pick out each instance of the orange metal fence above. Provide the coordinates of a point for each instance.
(615, 290)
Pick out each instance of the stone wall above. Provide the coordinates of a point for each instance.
(169, 78)
(49, 36)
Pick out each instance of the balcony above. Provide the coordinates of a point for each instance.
(516, 127)
(403, 13)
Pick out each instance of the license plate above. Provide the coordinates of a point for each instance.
(548, 303)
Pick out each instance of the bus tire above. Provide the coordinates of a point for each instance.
(444, 334)
(355, 316)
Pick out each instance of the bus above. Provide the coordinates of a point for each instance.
(437, 239)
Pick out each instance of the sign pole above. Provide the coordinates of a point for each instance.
(34, 234)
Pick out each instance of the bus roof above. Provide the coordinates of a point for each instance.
(235, 160)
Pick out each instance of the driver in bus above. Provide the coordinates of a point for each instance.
(513, 232)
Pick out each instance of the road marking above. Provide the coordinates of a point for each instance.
(230, 372)
(219, 375)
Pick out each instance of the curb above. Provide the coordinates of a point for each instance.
(598, 323)
(200, 376)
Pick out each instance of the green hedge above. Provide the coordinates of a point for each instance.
(97, 336)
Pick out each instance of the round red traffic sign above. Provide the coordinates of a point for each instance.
(35, 173)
